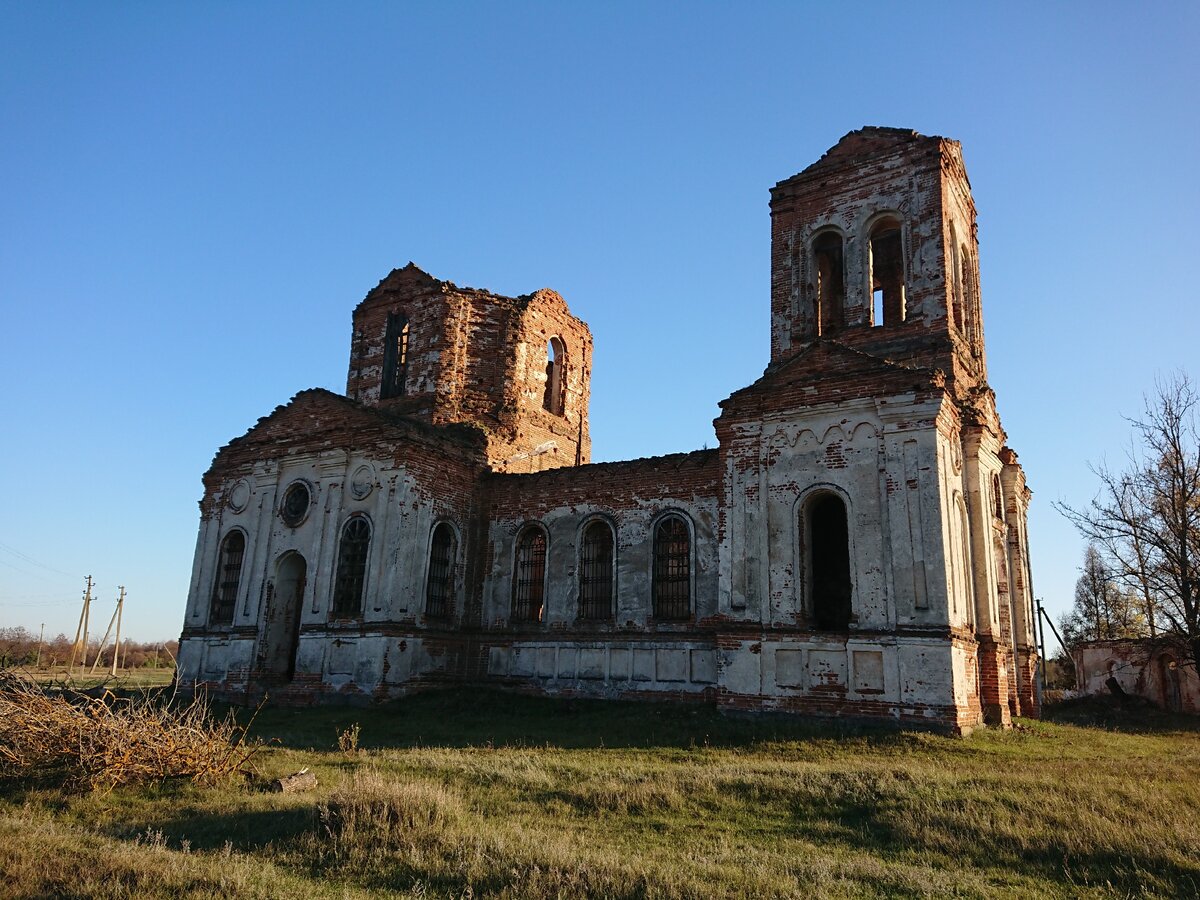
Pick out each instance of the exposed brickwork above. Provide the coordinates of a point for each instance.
(854, 548)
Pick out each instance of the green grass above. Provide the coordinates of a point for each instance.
(81, 678)
(471, 793)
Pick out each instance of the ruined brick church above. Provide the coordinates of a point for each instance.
(855, 546)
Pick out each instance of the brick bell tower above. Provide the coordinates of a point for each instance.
(517, 367)
(868, 486)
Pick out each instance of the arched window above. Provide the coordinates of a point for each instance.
(830, 586)
(970, 298)
(997, 497)
(672, 569)
(352, 568)
(831, 281)
(439, 587)
(954, 279)
(529, 576)
(596, 572)
(556, 359)
(395, 356)
(229, 576)
(887, 273)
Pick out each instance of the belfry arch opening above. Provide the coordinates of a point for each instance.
(887, 273)
(829, 261)
(556, 357)
(830, 587)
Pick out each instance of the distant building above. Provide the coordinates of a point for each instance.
(1151, 669)
(855, 546)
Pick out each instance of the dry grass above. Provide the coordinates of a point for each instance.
(685, 807)
(98, 743)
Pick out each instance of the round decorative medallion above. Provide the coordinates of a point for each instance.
(362, 482)
(239, 495)
(296, 501)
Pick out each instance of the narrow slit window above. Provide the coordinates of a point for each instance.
(352, 568)
(887, 274)
(831, 282)
(439, 589)
(395, 356)
(229, 576)
(529, 577)
(596, 572)
(672, 570)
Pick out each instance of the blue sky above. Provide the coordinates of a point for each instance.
(196, 196)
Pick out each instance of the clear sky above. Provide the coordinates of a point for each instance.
(195, 196)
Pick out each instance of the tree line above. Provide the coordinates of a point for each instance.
(20, 647)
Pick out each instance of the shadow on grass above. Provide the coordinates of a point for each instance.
(1128, 714)
(460, 717)
(241, 829)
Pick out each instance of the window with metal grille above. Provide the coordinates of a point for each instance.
(596, 572)
(229, 575)
(672, 569)
(439, 588)
(529, 576)
(352, 568)
(395, 356)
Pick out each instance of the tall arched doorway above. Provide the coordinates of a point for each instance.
(830, 587)
(282, 625)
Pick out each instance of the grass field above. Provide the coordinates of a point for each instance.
(81, 678)
(479, 794)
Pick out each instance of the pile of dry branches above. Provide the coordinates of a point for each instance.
(99, 743)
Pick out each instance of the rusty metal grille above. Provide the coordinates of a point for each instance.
(352, 568)
(439, 590)
(395, 356)
(672, 569)
(229, 575)
(596, 572)
(529, 584)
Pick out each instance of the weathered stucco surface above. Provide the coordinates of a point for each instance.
(855, 546)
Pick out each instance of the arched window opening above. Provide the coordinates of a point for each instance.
(439, 586)
(395, 356)
(954, 277)
(529, 577)
(229, 576)
(352, 568)
(887, 274)
(970, 298)
(672, 569)
(831, 282)
(553, 399)
(1172, 690)
(829, 563)
(596, 572)
(997, 497)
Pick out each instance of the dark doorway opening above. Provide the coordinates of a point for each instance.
(829, 563)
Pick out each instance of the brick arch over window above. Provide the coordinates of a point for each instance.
(529, 575)
(829, 274)
(830, 587)
(351, 568)
(596, 559)
(439, 584)
(229, 577)
(672, 577)
(395, 356)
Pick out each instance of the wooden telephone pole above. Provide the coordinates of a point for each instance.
(116, 617)
(82, 629)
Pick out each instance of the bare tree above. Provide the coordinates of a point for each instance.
(1103, 611)
(1146, 518)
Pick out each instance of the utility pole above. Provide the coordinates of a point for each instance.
(104, 640)
(117, 643)
(41, 634)
(1041, 639)
(82, 629)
